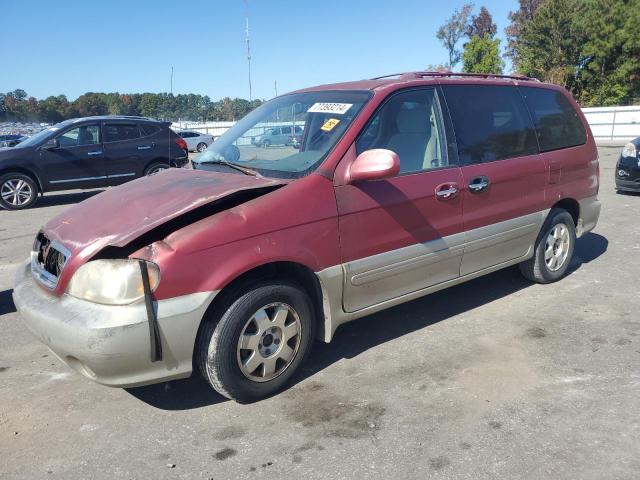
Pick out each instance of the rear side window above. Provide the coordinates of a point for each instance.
(149, 129)
(556, 121)
(490, 123)
(120, 132)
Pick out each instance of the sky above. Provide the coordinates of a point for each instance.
(75, 46)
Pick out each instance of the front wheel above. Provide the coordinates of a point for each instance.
(17, 191)
(258, 343)
(201, 147)
(553, 249)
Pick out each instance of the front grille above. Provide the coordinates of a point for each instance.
(47, 260)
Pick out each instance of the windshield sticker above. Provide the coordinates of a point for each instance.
(335, 108)
(330, 124)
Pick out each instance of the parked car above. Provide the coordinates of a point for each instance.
(401, 187)
(196, 141)
(288, 135)
(86, 152)
(10, 140)
(628, 168)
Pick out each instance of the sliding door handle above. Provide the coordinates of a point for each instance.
(479, 184)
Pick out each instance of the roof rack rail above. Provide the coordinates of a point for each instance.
(456, 74)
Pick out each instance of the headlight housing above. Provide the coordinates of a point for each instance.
(112, 282)
(629, 150)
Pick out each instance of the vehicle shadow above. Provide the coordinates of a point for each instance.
(54, 199)
(6, 302)
(358, 336)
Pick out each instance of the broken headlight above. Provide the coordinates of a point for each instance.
(112, 282)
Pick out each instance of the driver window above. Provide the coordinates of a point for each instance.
(80, 136)
(408, 124)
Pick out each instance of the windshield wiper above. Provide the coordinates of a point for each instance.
(235, 166)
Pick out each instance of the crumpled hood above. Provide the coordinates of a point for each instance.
(121, 214)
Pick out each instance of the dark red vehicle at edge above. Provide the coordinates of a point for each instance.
(401, 186)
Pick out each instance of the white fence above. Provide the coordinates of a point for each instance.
(608, 124)
(614, 124)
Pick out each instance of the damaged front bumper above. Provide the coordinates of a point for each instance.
(110, 344)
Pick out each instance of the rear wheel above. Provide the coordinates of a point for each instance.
(260, 340)
(553, 249)
(155, 167)
(201, 147)
(17, 191)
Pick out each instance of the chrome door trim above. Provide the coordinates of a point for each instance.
(122, 175)
(102, 177)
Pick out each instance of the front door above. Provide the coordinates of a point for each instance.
(78, 162)
(504, 176)
(404, 234)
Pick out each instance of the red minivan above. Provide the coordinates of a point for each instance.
(400, 186)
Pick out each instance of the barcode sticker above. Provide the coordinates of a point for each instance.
(335, 108)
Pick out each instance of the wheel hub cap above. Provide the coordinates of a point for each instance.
(269, 342)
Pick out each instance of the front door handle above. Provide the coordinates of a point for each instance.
(446, 191)
(144, 147)
(479, 184)
(94, 153)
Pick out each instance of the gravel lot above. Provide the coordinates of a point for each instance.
(496, 378)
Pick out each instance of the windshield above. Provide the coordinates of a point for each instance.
(289, 136)
(42, 135)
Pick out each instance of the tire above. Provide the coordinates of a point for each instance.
(266, 144)
(17, 191)
(554, 249)
(201, 147)
(229, 368)
(155, 167)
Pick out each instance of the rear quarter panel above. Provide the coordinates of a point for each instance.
(572, 172)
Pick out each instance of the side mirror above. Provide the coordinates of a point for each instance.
(376, 164)
(51, 144)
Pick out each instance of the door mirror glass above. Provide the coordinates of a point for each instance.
(376, 164)
(51, 144)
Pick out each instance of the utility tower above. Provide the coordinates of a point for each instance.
(246, 16)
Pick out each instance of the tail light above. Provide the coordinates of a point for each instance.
(181, 143)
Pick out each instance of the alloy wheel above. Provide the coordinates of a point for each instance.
(557, 247)
(16, 192)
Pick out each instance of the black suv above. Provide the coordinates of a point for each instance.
(87, 153)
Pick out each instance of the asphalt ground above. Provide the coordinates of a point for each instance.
(495, 378)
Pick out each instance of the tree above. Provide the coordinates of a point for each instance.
(481, 25)
(610, 70)
(17, 105)
(452, 31)
(549, 45)
(482, 55)
(438, 67)
(518, 18)
(91, 104)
